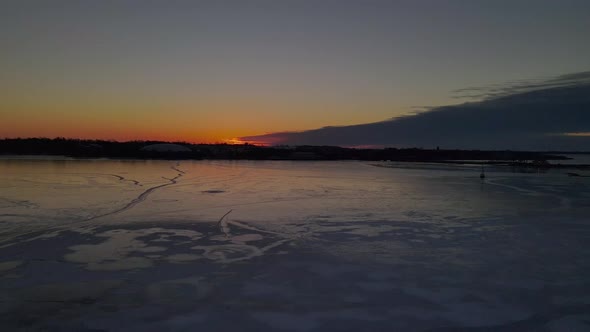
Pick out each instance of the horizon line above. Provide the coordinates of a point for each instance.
(360, 147)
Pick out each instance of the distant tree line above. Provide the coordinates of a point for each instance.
(134, 149)
(83, 148)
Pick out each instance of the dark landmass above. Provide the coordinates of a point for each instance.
(145, 150)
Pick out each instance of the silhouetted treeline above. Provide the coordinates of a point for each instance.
(86, 148)
(137, 149)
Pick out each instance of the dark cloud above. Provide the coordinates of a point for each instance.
(575, 77)
(513, 87)
(534, 116)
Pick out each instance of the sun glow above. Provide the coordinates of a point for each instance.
(239, 141)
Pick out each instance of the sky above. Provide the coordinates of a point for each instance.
(548, 115)
(214, 71)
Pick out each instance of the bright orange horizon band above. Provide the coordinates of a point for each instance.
(163, 138)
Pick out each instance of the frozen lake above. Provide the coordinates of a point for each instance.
(108, 245)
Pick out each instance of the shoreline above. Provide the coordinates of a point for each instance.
(502, 163)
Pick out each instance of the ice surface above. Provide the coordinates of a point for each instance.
(111, 245)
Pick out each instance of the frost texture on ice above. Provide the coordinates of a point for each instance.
(296, 246)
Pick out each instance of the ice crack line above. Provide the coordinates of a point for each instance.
(142, 196)
(176, 169)
(122, 178)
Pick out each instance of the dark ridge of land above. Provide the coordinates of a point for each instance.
(136, 150)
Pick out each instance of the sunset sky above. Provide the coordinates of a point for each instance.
(210, 71)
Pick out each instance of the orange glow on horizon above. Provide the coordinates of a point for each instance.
(86, 133)
(209, 120)
(239, 141)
